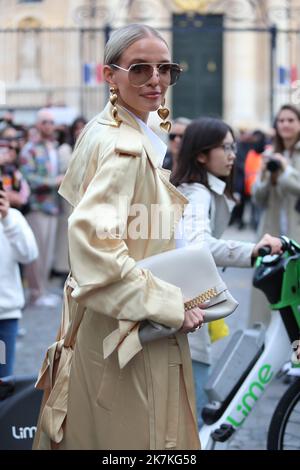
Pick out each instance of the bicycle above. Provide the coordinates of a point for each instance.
(278, 276)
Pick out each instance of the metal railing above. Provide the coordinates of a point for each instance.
(64, 66)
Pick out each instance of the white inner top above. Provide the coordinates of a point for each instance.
(159, 146)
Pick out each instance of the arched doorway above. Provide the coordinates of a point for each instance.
(198, 47)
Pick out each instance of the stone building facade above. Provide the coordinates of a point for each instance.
(51, 53)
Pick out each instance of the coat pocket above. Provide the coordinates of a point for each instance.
(109, 383)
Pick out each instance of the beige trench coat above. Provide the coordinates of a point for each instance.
(274, 200)
(111, 392)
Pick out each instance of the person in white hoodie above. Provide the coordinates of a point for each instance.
(204, 175)
(18, 245)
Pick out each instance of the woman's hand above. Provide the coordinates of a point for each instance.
(4, 204)
(274, 243)
(280, 159)
(15, 199)
(277, 157)
(193, 319)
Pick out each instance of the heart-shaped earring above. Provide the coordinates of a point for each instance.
(166, 126)
(163, 114)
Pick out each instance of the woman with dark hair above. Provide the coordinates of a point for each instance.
(75, 129)
(204, 174)
(277, 190)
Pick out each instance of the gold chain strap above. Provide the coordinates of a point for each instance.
(200, 299)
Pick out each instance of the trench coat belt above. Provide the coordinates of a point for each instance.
(125, 339)
(174, 368)
(54, 375)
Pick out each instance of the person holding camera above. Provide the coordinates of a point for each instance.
(14, 183)
(277, 190)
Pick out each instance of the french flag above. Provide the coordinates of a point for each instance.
(92, 73)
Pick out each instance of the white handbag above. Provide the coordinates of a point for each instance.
(194, 271)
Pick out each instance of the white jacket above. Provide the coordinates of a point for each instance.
(18, 245)
(205, 219)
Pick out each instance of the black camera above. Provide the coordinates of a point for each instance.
(273, 165)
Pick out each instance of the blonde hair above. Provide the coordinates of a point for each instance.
(123, 37)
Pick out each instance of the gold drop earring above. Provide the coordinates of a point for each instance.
(113, 98)
(163, 114)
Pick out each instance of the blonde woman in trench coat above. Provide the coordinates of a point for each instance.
(111, 391)
(277, 193)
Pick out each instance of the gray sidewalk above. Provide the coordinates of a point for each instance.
(41, 325)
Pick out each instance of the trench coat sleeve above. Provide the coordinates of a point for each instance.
(108, 280)
(197, 229)
(289, 181)
(261, 190)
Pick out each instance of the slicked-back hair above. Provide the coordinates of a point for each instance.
(123, 37)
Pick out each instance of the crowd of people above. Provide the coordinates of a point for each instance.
(33, 162)
(122, 393)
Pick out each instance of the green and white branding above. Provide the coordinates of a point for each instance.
(254, 392)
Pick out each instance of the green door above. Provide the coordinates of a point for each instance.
(198, 47)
